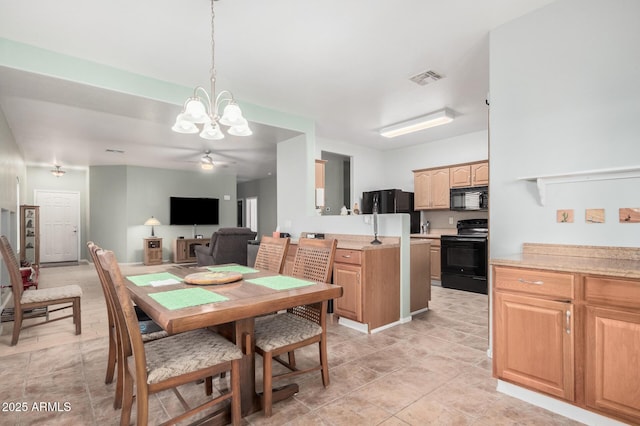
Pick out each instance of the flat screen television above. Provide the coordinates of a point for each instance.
(193, 211)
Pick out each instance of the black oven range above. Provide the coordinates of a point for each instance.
(464, 257)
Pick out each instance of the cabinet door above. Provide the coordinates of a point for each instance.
(534, 344)
(349, 277)
(480, 174)
(435, 262)
(612, 372)
(440, 189)
(422, 190)
(460, 176)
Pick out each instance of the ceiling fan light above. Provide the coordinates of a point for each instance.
(195, 111)
(242, 130)
(183, 126)
(58, 172)
(206, 163)
(211, 132)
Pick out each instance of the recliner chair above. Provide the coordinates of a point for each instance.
(227, 245)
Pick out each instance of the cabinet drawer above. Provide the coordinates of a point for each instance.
(552, 284)
(612, 291)
(348, 256)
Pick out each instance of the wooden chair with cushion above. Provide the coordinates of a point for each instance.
(272, 254)
(300, 326)
(170, 362)
(149, 330)
(68, 295)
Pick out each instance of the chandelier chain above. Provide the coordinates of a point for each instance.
(212, 71)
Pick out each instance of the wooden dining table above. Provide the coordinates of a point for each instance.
(246, 301)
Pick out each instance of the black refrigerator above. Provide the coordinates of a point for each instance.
(392, 201)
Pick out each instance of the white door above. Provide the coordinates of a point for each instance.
(59, 224)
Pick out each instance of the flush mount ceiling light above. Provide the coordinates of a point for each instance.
(437, 118)
(57, 172)
(206, 162)
(204, 107)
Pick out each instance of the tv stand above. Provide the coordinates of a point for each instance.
(184, 249)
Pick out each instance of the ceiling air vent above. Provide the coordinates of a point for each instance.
(426, 77)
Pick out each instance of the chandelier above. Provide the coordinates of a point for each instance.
(204, 108)
(57, 172)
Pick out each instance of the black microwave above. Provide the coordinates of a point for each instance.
(474, 198)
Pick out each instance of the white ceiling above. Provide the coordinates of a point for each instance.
(344, 63)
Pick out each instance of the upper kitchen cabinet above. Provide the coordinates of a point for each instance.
(476, 174)
(431, 189)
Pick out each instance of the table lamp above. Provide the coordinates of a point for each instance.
(152, 221)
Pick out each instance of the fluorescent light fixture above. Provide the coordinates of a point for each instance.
(437, 118)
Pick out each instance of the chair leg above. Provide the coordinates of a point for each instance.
(127, 398)
(120, 384)
(292, 359)
(208, 385)
(236, 415)
(111, 357)
(142, 405)
(324, 362)
(17, 325)
(76, 315)
(266, 384)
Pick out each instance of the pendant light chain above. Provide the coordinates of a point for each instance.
(212, 71)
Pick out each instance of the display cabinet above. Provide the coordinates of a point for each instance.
(152, 251)
(30, 234)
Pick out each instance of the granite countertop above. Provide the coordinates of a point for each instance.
(613, 261)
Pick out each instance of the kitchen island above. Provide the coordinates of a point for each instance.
(370, 277)
(566, 323)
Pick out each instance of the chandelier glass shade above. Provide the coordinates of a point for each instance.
(203, 108)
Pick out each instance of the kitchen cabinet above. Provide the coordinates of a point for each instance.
(612, 330)
(371, 285)
(534, 333)
(431, 189)
(184, 249)
(420, 266)
(435, 259)
(567, 323)
(464, 175)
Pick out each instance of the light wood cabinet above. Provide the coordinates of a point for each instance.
(371, 285)
(613, 343)
(420, 293)
(431, 189)
(184, 249)
(152, 251)
(480, 174)
(30, 234)
(534, 344)
(435, 259)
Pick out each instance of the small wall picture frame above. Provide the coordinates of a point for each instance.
(564, 216)
(594, 216)
(629, 215)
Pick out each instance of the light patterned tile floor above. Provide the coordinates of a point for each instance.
(432, 370)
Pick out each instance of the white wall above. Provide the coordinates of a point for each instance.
(565, 97)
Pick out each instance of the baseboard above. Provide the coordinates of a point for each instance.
(556, 406)
(354, 325)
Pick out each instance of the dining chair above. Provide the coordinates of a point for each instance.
(272, 253)
(169, 362)
(23, 301)
(149, 330)
(299, 326)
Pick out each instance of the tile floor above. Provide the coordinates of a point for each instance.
(432, 370)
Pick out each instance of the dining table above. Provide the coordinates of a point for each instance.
(231, 308)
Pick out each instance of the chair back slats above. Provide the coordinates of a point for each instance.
(124, 312)
(93, 251)
(13, 267)
(314, 259)
(272, 254)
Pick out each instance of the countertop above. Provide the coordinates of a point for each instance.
(436, 233)
(363, 242)
(621, 262)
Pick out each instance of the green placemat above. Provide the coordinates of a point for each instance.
(186, 297)
(143, 280)
(233, 268)
(280, 282)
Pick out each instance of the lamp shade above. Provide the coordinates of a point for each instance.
(152, 221)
